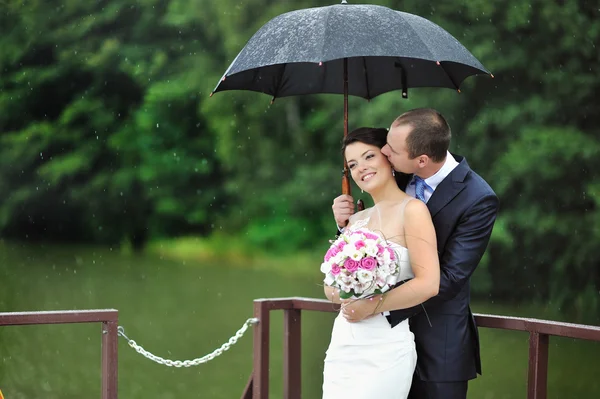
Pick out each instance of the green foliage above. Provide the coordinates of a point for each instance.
(102, 130)
(107, 133)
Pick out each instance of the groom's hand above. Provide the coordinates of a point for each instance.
(343, 208)
(355, 310)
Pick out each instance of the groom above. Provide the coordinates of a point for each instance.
(463, 208)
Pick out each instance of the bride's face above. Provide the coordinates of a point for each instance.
(368, 166)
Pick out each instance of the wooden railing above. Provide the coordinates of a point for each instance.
(109, 320)
(258, 384)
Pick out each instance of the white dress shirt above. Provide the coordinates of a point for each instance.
(432, 182)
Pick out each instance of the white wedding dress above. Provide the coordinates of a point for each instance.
(370, 359)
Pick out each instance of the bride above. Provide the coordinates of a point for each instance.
(367, 358)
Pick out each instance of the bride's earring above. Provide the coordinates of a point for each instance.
(362, 191)
(393, 172)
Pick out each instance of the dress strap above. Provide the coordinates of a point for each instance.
(403, 207)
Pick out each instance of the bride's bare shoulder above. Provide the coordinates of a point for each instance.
(396, 210)
(416, 211)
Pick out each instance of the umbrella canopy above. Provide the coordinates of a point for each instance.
(303, 52)
(359, 50)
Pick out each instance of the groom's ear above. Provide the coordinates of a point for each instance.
(423, 160)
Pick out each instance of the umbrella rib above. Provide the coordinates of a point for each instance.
(366, 77)
(416, 31)
(449, 76)
(279, 79)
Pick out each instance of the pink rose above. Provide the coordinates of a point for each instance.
(392, 254)
(328, 255)
(335, 269)
(380, 249)
(368, 263)
(371, 236)
(341, 245)
(351, 265)
(359, 244)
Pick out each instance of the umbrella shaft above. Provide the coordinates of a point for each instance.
(346, 178)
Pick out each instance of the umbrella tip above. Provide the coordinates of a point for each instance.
(492, 75)
(320, 63)
(458, 90)
(211, 93)
(344, 2)
(437, 63)
(272, 100)
(404, 94)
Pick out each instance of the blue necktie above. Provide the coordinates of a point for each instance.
(420, 188)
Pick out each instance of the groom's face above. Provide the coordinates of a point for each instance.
(396, 150)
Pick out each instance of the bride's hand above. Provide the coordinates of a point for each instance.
(355, 310)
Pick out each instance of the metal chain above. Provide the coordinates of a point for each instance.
(188, 363)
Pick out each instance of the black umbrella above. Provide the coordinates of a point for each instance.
(359, 50)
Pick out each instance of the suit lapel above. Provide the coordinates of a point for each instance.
(449, 187)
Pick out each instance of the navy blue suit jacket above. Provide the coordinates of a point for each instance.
(463, 208)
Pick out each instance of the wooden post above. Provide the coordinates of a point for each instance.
(292, 354)
(537, 378)
(110, 367)
(260, 380)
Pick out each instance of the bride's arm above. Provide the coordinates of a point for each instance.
(422, 249)
(333, 294)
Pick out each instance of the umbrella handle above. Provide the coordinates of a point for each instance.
(346, 183)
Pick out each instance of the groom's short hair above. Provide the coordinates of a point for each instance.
(430, 134)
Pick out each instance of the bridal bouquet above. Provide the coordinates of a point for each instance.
(360, 263)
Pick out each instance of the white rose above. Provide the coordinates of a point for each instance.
(371, 250)
(348, 249)
(356, 255)
(371, 243)
(365, 276)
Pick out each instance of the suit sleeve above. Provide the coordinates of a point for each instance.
(464, 249)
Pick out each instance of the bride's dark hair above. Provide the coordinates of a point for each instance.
(376, 136)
